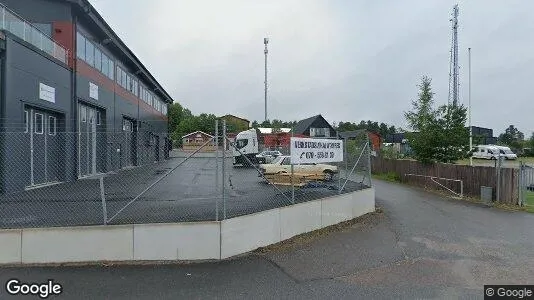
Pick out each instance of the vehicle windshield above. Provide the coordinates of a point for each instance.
(508, 152)
(277, 160)
(241, 143)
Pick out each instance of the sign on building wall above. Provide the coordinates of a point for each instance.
(47, 93)
(93, 90)
(306, 150)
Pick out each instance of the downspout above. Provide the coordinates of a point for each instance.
(74, 102)
(3, 159)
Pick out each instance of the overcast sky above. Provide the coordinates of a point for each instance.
(347, 60)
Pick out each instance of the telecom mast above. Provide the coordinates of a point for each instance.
(265, 42)
(454, 69)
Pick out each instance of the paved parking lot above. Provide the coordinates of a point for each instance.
(187, 194)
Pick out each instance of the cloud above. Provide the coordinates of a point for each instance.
(348, 60)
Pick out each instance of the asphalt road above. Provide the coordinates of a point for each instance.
(189, 193)
(420, 246)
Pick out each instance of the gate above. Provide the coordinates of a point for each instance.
(526, 185)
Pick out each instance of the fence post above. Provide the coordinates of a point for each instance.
(339, 164)
(103, 197)
(217, 169)
(223, 169)
(369, 160)
(292, 171)
(499, 179)
(522, 184)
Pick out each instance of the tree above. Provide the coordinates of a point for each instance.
(530, 145)
(512, 137)
(176, 114)
(439, 134)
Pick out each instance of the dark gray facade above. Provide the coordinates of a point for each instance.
(64, 121)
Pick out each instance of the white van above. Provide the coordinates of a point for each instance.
(486, 152)
(506, 152)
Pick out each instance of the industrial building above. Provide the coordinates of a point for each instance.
(75, 100)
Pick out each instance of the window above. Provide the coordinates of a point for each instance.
(39, 120)
(241, 143)
(135, 88)
(51, 125)
(105, 67)
(25, 121)
(91, 116)
(80, 46)
(111, 69)
(98, 60)
(320, 132)
(128, 82)
(119, 75)
(98, 118)
(124, 79)
(286, 161)
(89, 53)
(83, 113)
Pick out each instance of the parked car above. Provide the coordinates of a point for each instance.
(267, 156)
(282, 164)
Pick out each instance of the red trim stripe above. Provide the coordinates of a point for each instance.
(84, 69)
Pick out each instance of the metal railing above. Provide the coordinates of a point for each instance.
(15, 24)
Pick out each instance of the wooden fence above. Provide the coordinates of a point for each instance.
(473, 177)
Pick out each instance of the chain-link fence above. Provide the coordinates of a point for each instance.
(93, 178)
(526, 185)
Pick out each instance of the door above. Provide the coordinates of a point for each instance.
(128, 145)
(88, 153)
(38, 147)
(45, 146)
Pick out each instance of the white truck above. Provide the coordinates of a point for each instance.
(248, 144)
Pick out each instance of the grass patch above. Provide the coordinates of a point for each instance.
(465, 161)
(530, 201)
(389, 176)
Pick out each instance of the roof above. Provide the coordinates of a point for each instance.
(198, 131)
(352, 134)
(302, 125)
(235, 117)
(270, 130)
(395, 138)
(93, 14)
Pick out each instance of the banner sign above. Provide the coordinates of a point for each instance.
(307, 150)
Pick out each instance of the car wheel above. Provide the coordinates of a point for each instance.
(328, 175)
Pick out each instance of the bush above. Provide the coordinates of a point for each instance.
(389, 176)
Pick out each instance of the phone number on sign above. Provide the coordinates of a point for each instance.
(325, 155)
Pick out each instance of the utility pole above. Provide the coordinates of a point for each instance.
(265, 42)
(470, 127)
